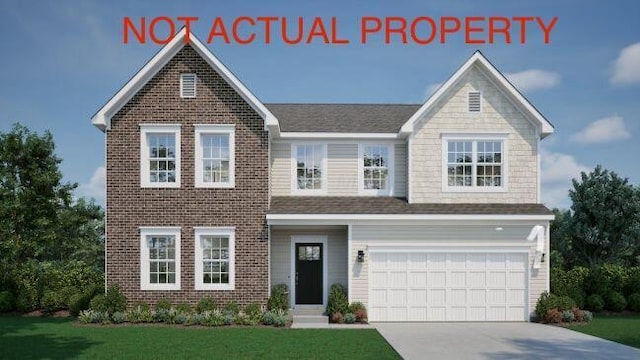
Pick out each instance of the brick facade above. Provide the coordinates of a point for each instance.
(129, 206)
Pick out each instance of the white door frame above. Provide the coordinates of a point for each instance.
(297, 239)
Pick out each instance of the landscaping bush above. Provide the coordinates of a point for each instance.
(553, 316)
(616, 277)
(568, 316)
(52, 301)
(232, 308)
(588, 316)
(548, 302)
(359, 310)
(337, 318)
(161, 315)
(79, 302)
(184, 308)
(616, 302)
(240, 318)
(6, 301)
(98, 303)
(633, 280)
(634, 302)
(570, 283)
(254, 312)
(338, 302)
(213, 318)
(268, 318)
(140, 313)
(228, 319)
(349, 318)
(118, 317)
(279, 298)
(578, 314)
(115, 301)
(595, 303)
(163, 304)
(206, 304)
(281, 318)
(198, 319)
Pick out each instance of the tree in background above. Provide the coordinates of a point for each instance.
(604, 223)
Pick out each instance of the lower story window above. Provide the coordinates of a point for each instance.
(159, 258)
(215, 259)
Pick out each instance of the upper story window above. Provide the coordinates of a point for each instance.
(475, 164)
(474, 101)
(215, 258)
(309, 164)
(215, 156)
(160, 258)
(159, 155)
(188, 85)
(376, 169)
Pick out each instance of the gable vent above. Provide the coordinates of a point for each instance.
(475, 101)
(188, 85)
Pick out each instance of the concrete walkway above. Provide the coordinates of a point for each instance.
(498, 341)
(330, 326)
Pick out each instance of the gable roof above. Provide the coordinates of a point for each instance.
(527, 109)
(102, 118)
(342, 118)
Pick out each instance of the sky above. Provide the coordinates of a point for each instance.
(62, 60)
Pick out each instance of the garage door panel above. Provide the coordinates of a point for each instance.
(424, 286)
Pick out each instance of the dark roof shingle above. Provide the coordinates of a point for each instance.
(390, 205)
(344, 118)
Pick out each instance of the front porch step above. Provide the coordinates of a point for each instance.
(308, 312)
(310, 319)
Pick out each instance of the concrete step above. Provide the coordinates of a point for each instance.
(310, 319)
(308, 312)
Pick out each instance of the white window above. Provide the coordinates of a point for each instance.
(376, 169)
(474, 101)
(309, 168)
(215, 156)
(160, 258)
(188, 85)
(159, 155)
(474, 164)
(215, 258)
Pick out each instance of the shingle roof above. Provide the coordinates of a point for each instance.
(345, 118)
(390, 205)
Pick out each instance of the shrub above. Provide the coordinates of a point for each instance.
(279, 298)
(578, 314)
(198, 319)
(6, 301)
(349, 318)
(359, 310)
(79, 302)
(268, 318)
(361, 316)
(232, 308)
(228, 319)
(171, 316)
(553, 316)
(183, 318)
(633, 280)
(140, 313)
(241, 319)
(548, 301)
(568, 316)
(253, 310)
(118, 317)
(634, 302)
(616, 277)
(595, 303)
(98, 303)
(163, 304)
(161, 315)
(337, 318)
(184, 308)
(213, 318)
(99, 317)
(281, 318)
(616, 302)
(338, 302)
(570, 283)
(85, 316)
(588, 316)
(205, 304)
(52, 301)
(115, 301)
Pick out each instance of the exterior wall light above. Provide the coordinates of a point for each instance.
(360, 256)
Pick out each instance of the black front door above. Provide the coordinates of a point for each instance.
(308, 273)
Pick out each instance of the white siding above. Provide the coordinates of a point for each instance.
(468, 236)
(281, 252)
(450, 115)
(342, 171)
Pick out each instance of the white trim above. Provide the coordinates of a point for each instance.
(479, 59)
(474, 138)
(323, 175)
(538, 169)
(337, 135)
(389, 191)
(449, 248)
(481, 103)
(145, 130)
(195, 85)
(537, 233)
(344, 219)
(102, 118)
(214, 231)
(146, 231)
(409, 170)
(350, 261)
(299, 239)
(205, 129)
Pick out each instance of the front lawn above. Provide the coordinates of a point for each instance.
(51, 338)
(621, 329)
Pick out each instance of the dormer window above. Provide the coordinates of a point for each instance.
(474, 101)
(188, 86)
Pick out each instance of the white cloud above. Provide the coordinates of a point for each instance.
(95, 187)
(626, 68)
(432, 88)
(533, 79)
(557, 171)
(603, 131)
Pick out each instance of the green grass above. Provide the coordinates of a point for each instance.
(62, 339)
(621, 329)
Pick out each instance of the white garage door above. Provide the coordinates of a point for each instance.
(428, 286)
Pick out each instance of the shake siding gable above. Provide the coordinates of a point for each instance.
(244, 207)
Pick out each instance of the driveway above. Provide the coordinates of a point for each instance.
(498, 341)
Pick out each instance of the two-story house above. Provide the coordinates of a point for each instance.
(426, 212)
